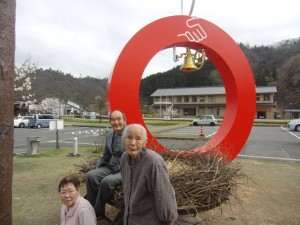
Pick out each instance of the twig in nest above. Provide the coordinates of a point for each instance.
(202, 181)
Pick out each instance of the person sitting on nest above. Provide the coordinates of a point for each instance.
(102, 181)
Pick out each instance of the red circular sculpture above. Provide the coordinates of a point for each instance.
(222, 51)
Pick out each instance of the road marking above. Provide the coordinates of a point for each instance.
(194, 130)
(267, 157)
(290, 132)
(86, 131)
(210, 134)
(19, 145)
(81, 143)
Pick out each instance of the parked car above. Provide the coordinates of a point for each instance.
(21, 121)
(40, 120)
(294, 125)
(205, 120)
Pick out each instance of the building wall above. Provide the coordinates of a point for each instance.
(194, 106)
(265, 106)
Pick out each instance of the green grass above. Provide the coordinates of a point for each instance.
(105, 121)
(163, 123)
(43, 154)
(83, 120)
(273, 197)
(35, 182)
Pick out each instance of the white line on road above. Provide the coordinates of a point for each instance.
(267, 157)
(81, 143)
(211, 134)
(290, 132)
(19, 145)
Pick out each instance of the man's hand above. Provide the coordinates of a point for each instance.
(196, 32)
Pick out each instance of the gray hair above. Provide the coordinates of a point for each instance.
(134, 125)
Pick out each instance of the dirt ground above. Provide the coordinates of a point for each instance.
(270, 196)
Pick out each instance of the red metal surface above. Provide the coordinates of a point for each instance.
(222, 51)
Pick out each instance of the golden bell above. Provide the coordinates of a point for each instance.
(188, 62)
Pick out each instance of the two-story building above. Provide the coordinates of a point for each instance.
(70, 108)
(197, 101)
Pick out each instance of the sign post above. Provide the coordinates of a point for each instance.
(56, 125)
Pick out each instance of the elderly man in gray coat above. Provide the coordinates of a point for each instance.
(101, 181)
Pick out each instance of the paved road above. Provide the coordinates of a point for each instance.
(275, 143)
(86, 136)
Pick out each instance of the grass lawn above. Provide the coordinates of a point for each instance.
(271, 197)
(35, 184)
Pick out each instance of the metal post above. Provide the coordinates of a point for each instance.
(160, 106)
(75, 146)
(57, 145)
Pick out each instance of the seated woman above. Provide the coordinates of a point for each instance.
(75, 209)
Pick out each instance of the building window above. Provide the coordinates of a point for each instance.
(201, 110)
(194, 98)
(202, 98)
(186, 99)
(163, 99)
(178, 98)
(210, 110)
(266, 97)
(210, 98)
(257, 98)
(190, 112)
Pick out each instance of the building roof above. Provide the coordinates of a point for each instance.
(204, 91)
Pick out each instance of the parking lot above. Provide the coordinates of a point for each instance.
(274, 143)
(86, 136)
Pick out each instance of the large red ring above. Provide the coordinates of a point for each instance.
(222, 51)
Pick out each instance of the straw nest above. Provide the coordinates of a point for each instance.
(202, 181)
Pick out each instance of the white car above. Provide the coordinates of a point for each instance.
(21, 121)
(294, 125)
(205, 120)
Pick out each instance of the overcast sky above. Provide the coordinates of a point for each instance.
(85, 37)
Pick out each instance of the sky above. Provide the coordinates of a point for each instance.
(85, 37)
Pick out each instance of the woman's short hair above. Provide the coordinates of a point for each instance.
(69, 179)
(132, 126)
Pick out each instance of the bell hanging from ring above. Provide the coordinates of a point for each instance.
(188, 62)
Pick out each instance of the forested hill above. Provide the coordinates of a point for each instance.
(56, 84)
(277, 64)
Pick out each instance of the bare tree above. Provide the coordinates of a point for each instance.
(288, 83)
(7, 74)
(100, 102)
